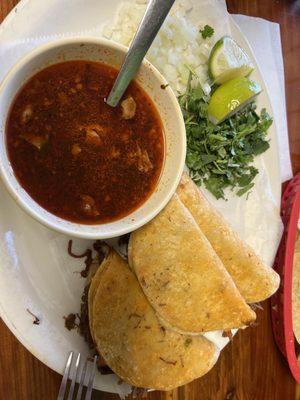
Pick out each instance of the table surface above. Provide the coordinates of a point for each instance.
(251, 367)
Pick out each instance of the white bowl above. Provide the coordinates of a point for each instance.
(97, 49)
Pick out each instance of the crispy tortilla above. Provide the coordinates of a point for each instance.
(93, 288)
(182, 276)
(296, 290)
(255, 280)
(132, 341)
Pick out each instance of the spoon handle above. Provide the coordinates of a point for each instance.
(155, 14)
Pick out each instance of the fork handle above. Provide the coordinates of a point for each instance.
(155, 14)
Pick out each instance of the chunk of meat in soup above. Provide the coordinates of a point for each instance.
(128, 108)
(93, 135)
(26, 114)
(140, 158)
(89, 206)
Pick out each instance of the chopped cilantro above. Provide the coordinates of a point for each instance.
(220, 156)
(207, 31)
(187, 342)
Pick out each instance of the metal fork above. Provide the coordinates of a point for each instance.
(86, 373)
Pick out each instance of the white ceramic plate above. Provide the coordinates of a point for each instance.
(36, 272)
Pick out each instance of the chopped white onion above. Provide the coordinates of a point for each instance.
(179, 44)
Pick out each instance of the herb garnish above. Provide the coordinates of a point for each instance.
(207, 31)
(220, 156)
(187, 342)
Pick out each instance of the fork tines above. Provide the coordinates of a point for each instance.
(87, 374)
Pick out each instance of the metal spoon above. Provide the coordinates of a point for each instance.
(155, 14)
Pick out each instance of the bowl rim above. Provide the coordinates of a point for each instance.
(72, 228)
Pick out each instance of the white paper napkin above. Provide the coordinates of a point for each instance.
(264, 38)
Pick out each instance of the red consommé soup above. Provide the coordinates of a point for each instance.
(76, 156)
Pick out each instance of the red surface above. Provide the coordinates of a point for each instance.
(282, 300)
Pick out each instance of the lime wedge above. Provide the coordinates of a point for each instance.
(227, 61)
(230, 98)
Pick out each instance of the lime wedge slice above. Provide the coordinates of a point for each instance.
(227, 61)
(231, 97)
